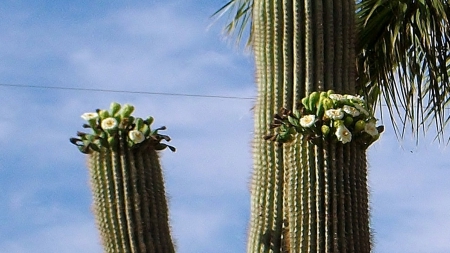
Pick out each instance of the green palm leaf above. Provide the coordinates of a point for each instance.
(240, 16)
(404, 55)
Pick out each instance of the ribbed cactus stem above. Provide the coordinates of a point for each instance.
(325, 194)
(305, 197)
(129, 200)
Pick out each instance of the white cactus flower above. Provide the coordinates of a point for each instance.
(308, 120)
(343, 134)
(334, 114)
(361, 109)
(337, 97)
(136, 136)
(109, 123)
(358, 99)
(371, 128)
(89, 116)
(350, 110)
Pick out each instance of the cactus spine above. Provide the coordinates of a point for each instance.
(127, 183)
(305, 197)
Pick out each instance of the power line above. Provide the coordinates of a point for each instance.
(136, 92)
(125, 91)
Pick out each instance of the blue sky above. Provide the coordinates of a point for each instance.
(165, 46)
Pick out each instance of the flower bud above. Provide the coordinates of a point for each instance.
(145, 129)
(325, 130)
(103, 114)
(126, 111)
(114, 108)
(348, 120)
(149, 120)
(139, 123)
(327, 103)
(360, 125)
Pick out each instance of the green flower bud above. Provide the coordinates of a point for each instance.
(149, 120)
(313, 100)
(145, 129)
(348, 120)
(114, 108)
(327, 104)
(338, 123)
(325, 130)
(360, 125)
(126, 111)
(139, 123)
(305, 102)
(103, 114)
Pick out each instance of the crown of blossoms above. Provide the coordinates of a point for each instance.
(110, 127)
(328, 115)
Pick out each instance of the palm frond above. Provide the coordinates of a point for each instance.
(404, 54)
(240, 18)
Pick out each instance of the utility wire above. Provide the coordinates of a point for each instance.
(134, 92)
(125, 91)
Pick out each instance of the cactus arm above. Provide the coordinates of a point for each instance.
(130, 205)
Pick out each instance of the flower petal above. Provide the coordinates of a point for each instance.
(343, 134)
(136, 136)
(334, 114)
(89, 116)
(308, 120)
(109, 123)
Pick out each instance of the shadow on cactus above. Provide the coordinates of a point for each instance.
(329, 116)
(130, 204)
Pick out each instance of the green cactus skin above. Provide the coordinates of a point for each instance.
(129, 199)
(305, 197)
(126, 178)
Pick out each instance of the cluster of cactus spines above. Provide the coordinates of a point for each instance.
(306, 196)
(127, 183)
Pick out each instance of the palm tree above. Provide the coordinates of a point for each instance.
(312, 196)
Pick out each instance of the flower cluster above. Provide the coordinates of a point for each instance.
(328, 115)
(109, 127)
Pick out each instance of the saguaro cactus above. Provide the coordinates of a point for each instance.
(308, 195)
(129, 198)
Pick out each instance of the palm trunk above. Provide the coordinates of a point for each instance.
(305, 197)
